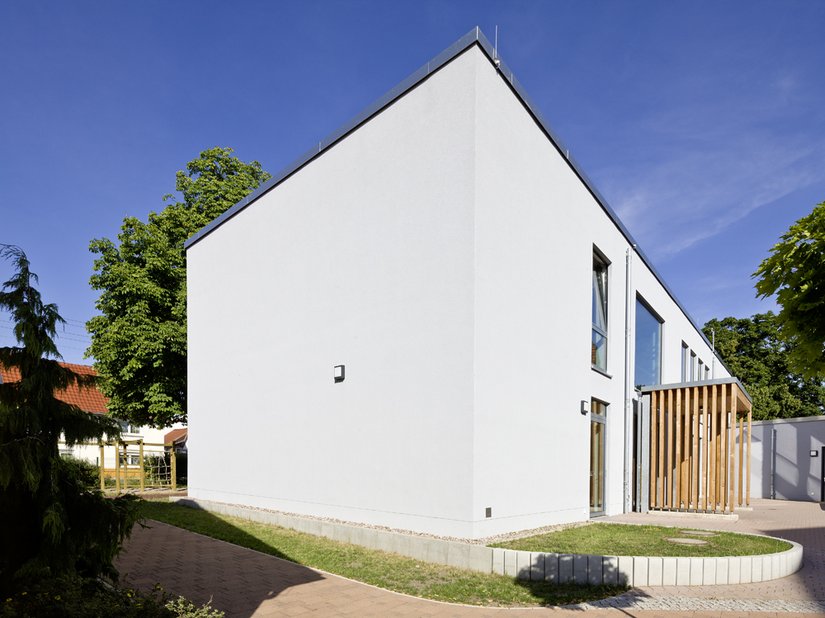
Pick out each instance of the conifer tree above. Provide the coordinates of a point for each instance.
(50, 521)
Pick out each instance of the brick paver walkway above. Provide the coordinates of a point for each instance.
(247, 583)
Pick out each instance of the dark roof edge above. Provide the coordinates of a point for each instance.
(734, 380)
(473, 37)
(446, 56)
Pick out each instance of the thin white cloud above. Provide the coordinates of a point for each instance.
(701, 186)
(712, 154)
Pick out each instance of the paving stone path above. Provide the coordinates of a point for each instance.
(247, 583)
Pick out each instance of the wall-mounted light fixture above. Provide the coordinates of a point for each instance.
(338, 373)
(585, 407)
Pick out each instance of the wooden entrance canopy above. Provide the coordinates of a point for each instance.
(694, 464)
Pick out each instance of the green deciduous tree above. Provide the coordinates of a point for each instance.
(795, 272)
(139, 338)
(51, 522)
(755, 353)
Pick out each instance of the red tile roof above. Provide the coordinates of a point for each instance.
(175, 436)
(87, 398)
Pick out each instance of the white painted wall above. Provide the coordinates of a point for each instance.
(443, 253)
(362, 258)
(536, 225)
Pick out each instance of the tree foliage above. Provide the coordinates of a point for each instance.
(52, 522)
(755, 352)
(795, 272)
(139, 338)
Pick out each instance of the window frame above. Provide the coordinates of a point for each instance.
(599, 259)
(601, 420)
(685, 357)
(640, 300)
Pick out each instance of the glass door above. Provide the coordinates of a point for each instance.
(598, 423)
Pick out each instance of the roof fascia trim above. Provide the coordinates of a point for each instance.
(717, 381)
(412, 81)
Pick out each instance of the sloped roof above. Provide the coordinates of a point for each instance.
(176, 436)
(473, 38)
(87, 398)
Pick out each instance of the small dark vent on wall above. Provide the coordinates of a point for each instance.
(488, 512)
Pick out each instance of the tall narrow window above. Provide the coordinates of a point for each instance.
(700, 375)
(598, 424)
(684, 362)
(598, 344)
(648, 345)
(692, 366)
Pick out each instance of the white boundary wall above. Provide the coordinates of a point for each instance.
(788, 463)
(538, 566)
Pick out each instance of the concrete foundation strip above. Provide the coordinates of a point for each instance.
(535, 566)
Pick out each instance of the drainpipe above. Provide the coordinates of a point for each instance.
(629, 387)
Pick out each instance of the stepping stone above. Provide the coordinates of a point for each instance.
(687, 541)
(697, 532)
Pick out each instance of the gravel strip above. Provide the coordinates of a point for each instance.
(633, 600)
(483, 541)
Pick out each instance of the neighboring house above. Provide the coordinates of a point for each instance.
(177, 439)
(91, 400)
(789, 458)
(432, 322)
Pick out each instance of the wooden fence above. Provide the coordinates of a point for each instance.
(139, 475)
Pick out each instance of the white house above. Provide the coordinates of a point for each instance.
(432, 322)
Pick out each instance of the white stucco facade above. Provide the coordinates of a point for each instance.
(442, 252)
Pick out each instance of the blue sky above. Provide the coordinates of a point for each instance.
(701, 122)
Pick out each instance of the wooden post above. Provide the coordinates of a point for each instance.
(125, 467)
(732, 456)
(705, 437)
(741, 452)
(669, 492)
(117, 467)
(174, 468)
(660, 491)
(142, 467)
(723, 445)
(678, 449)
(653, 472)
(748, 479)
(714, 427)
(102, 476)
(694, 458)
(686, 452)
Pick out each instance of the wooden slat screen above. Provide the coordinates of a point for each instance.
(694, 462)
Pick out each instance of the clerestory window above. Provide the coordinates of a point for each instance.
(598, 343)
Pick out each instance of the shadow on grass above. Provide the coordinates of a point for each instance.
(543, 576)
(196, 573)
(234, 578)
(571, 594)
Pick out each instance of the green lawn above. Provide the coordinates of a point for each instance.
(390, 571)
(629, 540)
